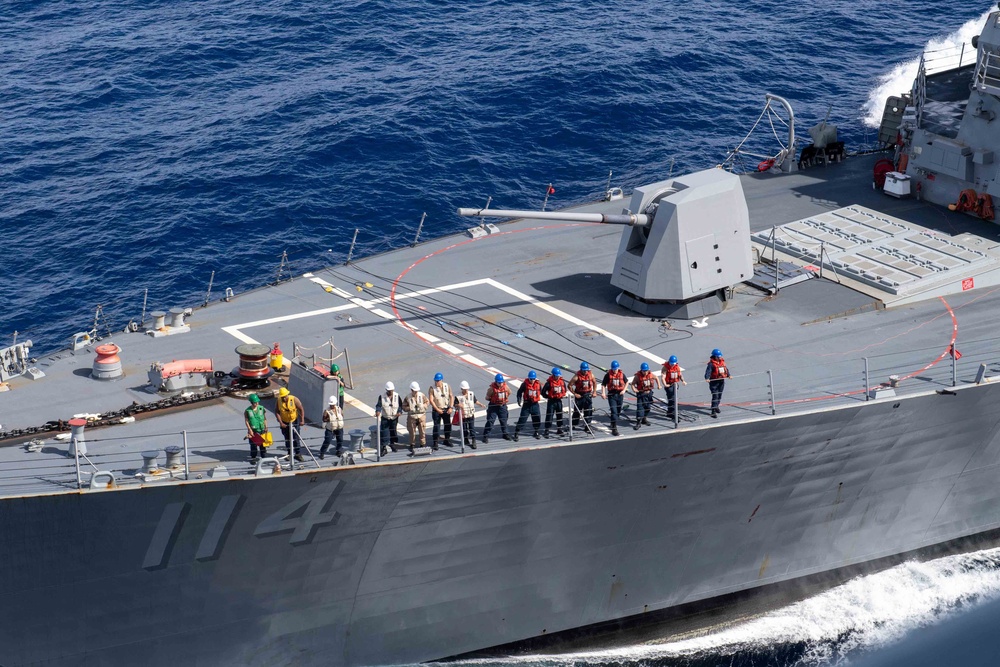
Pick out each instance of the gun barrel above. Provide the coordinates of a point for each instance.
(632, 219)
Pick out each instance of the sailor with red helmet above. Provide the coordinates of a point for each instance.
(582, 385)
(613, 388)
(672, 374)
(496, 407)
(554, 390)
(529, 395)
(643, 384)
(715, 375)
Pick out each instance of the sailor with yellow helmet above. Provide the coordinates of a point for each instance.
(289, 410)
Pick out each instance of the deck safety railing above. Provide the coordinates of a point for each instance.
(113, 461)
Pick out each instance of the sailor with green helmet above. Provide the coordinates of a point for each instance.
(335, 372)
(255, 418)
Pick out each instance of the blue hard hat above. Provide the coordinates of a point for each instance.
(615, 365)
(584, 366)
(556, 372)
(532, 375)
(498, 378)
(644, 366)
(438, 377)
(717, 353)
(672, 359)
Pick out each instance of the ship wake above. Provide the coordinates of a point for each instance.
(861, 615)
(900, 78)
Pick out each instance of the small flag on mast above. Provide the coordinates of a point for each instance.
(955, 354)
(552, 190)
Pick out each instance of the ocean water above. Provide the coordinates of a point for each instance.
(146, 145)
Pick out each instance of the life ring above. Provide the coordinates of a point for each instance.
(764, 165)
(879, 171)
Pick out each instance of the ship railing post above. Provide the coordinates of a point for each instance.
(569, 416)
(291, 446)
(868, 386)
(420, 228)
(76, 457)
(770, 381)
(350, 253)
(187, 468)
(675, 403)
(378, 438)
(954, 367)
(461, 424)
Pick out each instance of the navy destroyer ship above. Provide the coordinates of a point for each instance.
(858, 428)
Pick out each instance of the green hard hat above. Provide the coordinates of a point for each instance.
(334, 368)
(254, 398)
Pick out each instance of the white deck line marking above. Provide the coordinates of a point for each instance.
(577, 321)
(474, 360)
(239, 335)
(287, 318)
(451, 349)
(364, 407)
(428, 337)
(383, 313)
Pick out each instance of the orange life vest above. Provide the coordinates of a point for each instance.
(644, 381)
(719, 370)
(500, 394)
(532, 391)
(585, 382)
(671, 373)
(616, 381)
(557, 387)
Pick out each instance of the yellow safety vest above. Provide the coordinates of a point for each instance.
(286, 409)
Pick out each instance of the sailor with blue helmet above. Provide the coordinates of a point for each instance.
(672, 374)
(643, 384)
(529, 395)
(613, 388)
(715, 375)
(441, 400)
(583, 385)
(496, 407)
(554, 390)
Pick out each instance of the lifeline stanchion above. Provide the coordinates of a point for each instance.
(461, 425)
(187, 468)
(350, 253)
(378, 439)
(674, 406)
(954, 366)
(868, 386)
(569, 416)
(419, 229)
(76, 457)
(770, 380)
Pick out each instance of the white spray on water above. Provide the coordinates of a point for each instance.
(863, 614)
(941, 52)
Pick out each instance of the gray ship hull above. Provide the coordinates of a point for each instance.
(418, 561)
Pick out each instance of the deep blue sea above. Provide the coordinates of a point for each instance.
(144, 145)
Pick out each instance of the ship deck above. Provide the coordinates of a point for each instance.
(533, 296)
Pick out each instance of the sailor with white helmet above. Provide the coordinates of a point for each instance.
(415, 406)
(441, 399)
(466, 404)
(529, 395)
(333, 428)
(496, 397)
(387, 409)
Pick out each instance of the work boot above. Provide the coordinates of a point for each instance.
(300, 458)
(645, 422)
(515, 436)
(614, 430)
(506, 437)
(485, 440)
(637, 425)
(546, 434)
(383, 452)
(322, 455)
(537, 437)
(560, 432)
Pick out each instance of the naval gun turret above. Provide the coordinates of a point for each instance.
(686, 241)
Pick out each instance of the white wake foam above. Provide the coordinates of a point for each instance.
(899, 79)
(863, 614)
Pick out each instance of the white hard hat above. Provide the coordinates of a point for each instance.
(414, 386)
(333, 400)
(464, 385)
(389, 386)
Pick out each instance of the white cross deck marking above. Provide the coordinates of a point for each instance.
(356, 302)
